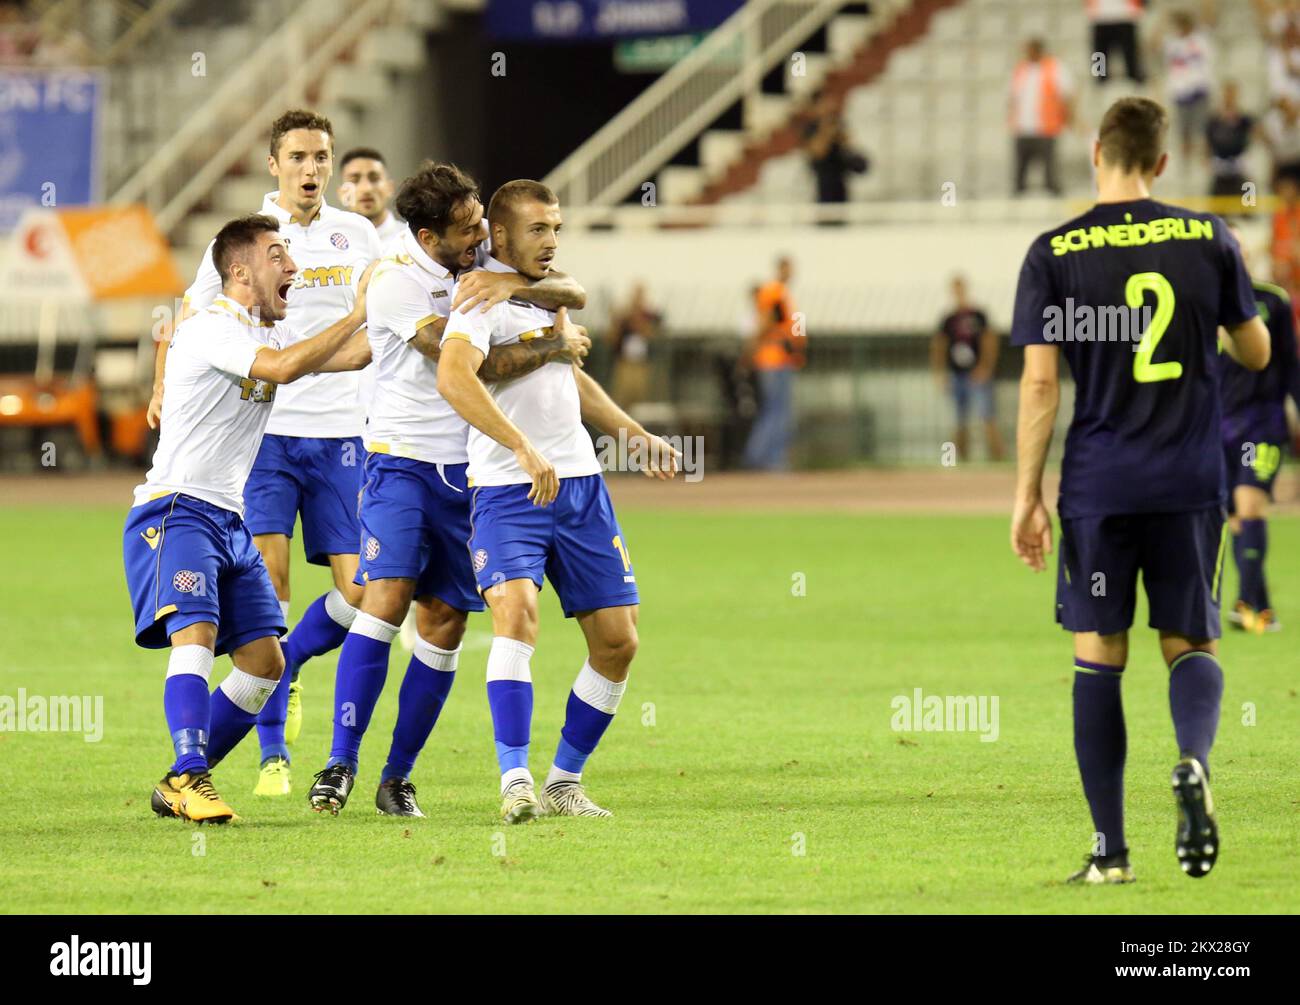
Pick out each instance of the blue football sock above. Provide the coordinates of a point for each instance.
(1249, 548)
(230, 724)
(185, 704)
(363, 668)
(1195, 690)
(510, 699)
(425, 687)
(1100, 746)
(323, 628)
(592, 703)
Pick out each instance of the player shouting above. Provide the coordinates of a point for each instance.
(1142, 480)
(540, 506)
(311, 456)
(197, 582)
(415, 512)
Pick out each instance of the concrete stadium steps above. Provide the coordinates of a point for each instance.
(858, 47)
(926, 101)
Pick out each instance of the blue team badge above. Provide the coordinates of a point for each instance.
(185, 581)
(480, 559)
(339, 241)
(372, 549)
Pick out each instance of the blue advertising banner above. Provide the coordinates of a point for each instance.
(603, 20)
(49, 143)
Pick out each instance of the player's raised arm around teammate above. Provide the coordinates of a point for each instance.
(260, 277)
(485, 290)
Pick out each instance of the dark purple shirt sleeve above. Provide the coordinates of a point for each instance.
(1034, 295)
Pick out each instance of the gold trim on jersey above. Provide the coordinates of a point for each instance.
(243, 318)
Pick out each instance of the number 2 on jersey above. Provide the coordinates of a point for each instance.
(1135, 290)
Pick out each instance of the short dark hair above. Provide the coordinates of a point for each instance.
(361, 153)
(1132, 134)
(298, 118)
(235, 238)
(429, 198)
(514, 192)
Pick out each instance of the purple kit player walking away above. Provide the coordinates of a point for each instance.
(540, 506)
(197, 582)
(1132, 293)
(415, 511)
(1254, 437)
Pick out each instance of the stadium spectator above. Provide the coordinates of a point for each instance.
(1040, 108)
(1282, 136)
(776, 354)
(1228, 134)
(1282, 29)
(631, 331)
(1189, 73)
(1285, 244)
(1115, 27)
(826, 142)
(963, 355)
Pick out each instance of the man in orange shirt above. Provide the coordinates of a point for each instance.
(1039, 108)
(775, 354)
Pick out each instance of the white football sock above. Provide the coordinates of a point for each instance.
(339, 610)
(248, 692)
(190, 659)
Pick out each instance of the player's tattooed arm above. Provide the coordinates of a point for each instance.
(460, 386)
(506, 362)
(428, 339)
(555, 291)
(485, 290)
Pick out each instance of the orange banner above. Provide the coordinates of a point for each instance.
(120, 252)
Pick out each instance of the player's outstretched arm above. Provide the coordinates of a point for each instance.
(1040, 395)
(663, 461)
(153, 414)
(485, 290)
(283, 366)
(354, 355)
(459, 384)
(1248, 343)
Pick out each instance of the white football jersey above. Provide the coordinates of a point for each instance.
(407, 416)
(390, 232)
(331, 254)
(544, 404)
(213, 413)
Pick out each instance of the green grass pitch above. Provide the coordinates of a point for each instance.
(752, 767)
